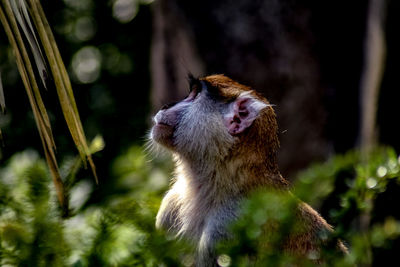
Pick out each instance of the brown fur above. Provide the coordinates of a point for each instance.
(211, 181)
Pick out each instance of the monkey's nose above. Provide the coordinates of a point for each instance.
(157, 117)
(160, 118)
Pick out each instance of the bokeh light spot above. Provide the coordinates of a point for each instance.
(86, 64)
(124, 10)
(224, 260)
(313, 255)
(188, 260)
(371, 182)
(85, 28)
(381, 171)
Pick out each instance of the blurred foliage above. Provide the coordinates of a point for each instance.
(120, 231)
(106, 49)
(345, 190)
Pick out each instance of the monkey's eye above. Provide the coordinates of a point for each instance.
(194, 84)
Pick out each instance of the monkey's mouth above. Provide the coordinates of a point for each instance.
(163, 133)
(161, 124)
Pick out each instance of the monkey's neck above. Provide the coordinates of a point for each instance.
(231, 177)
(206, 189)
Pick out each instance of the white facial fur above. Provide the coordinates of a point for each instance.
(198, 129)
(202, 129)
(210, 181)
(201, 133)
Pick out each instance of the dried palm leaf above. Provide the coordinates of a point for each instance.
(16, 15)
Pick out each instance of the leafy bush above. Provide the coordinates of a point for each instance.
(348, 190)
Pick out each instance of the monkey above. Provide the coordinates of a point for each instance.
(224, 139)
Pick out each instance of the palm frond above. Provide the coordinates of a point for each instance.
(62, 82)
(32, 90)
(21, 14)
(2, 100)
(16, 15)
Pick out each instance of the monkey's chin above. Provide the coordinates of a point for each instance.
(163, 134)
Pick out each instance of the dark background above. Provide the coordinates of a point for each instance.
(306, 57)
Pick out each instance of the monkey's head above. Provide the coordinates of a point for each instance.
(219, 119)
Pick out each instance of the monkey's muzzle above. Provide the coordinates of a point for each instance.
(162, 132)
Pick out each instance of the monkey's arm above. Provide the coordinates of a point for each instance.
(167, 216)
(215, 230)
(313, 232)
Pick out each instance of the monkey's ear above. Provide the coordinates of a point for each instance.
(242, 112)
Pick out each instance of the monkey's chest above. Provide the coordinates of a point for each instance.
(207, 224)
